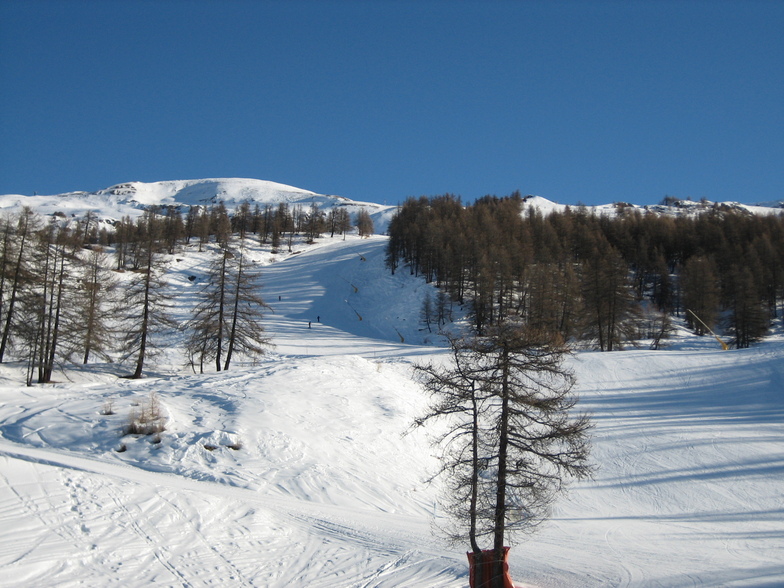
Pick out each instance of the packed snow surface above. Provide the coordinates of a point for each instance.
(302, 469)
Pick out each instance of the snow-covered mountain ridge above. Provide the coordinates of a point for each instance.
(669, 206)
(130, 198)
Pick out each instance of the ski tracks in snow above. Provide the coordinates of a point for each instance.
(164, 529)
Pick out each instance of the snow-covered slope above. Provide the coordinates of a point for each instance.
(132, 197)
(302, 470)
(231, 191)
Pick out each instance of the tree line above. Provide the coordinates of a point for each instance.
(604, 280)
(274, 225)
(60, 294)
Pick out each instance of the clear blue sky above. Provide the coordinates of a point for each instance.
(578, 101)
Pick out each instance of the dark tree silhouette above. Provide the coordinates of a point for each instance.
(364, 224)
(512, 443)
(229, 315)
(146, 301)
(16, 272)
(92, 305)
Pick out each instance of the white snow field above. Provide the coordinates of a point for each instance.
(295, 470)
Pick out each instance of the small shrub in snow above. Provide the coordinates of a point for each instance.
(146, 419)
(108, 407)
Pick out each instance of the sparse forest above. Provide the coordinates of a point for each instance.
(59, 276)
(85, 290)
(600, 280)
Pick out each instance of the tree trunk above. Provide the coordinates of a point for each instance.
(145, 320)
(12, 301)
(474, 472)
(221, 302)
(56, 328)
(499, 522)
(43, 326)
(235, 311)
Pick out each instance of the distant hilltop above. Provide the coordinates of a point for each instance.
(131, 198)
(670, 205)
